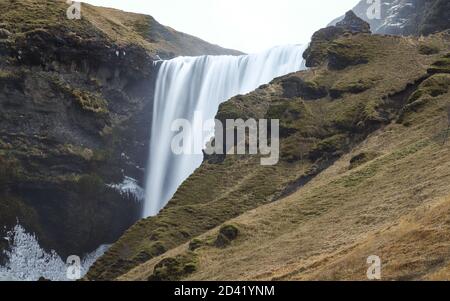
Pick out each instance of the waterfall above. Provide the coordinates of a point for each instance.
(187, 86)
(27, 261)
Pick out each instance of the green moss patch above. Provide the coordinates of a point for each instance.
(429, 49)
(174, 268)
(90, 102)
(196, 244)
(426, 94)
(346, 52)
(295, 148)
(441, 66)
(356, 86)
(330, 147)
(295, 86)
(291, 113)
(434, 86)
(228, 111)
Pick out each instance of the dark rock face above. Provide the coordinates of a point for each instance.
(406, 17)
(318, 50)
(341, 55)
(174, 269)
(294, 86)
(75, 116)
(72, 121)
(353, 24)
(316, 53)
(226, 235)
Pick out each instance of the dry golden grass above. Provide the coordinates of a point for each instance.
(394, 206)
(122, 28)
(130, 28)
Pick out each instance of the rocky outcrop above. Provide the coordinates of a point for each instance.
(351, 23)
(405, 17)
(322, 48)
(75, 116)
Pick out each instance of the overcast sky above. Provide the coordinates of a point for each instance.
(246, 25)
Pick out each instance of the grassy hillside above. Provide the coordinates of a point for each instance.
(347, 125)
(394, 204)
(122, 28)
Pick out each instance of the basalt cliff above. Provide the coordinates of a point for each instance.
(75, 115)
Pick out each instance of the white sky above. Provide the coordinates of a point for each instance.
(246, 25)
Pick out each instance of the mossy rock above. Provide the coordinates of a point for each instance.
(196, 244)
(157, 249)
(228, 110)
(357, 118)
(229, 231)
(290, 114)
(226, 235)
(428, 49)
(352, 87)
(345, 53)
(430, 89)
(142, 256)
(90, 102)
(330, 147)
(295, 86)
(316, 54)
(441, 66)
(294, 148)
(434, 86)
(175, 268)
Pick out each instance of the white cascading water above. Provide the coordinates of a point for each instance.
(190, 85)
(27, 261)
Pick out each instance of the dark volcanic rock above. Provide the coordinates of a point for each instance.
(353, 23)
(76, 101)
(317, 52)
(226, 235)
(295, 86)
(406, 17)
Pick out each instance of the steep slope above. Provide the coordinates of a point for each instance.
(362, 83)
(394, 207)
(121, 28)
(75, 106)
(405, 17)
(124, 27)
(386, 196)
